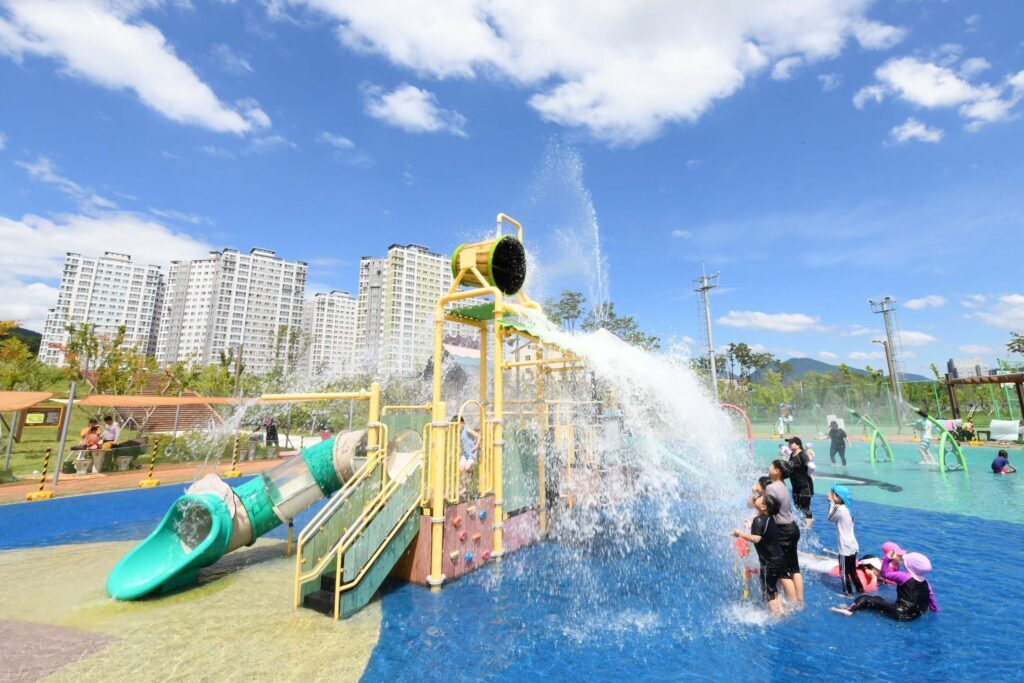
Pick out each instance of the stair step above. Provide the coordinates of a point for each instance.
(321, 601)
(327, 582)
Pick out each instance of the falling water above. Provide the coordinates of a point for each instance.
(564, 233)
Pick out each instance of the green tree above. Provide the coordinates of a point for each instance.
(109, 363)
(770, 391)
(1016, 343)
(623, 327)
(571, 307)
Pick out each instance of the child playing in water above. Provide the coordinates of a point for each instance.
(1001, 463)
(789, 532)
(765, 536)
(840, 514)
(800, 479)
(924, 429)
(914, 594)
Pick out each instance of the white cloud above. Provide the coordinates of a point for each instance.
(335, 140)
(33, 257)
(182, 216)
(972, 23)
(912, 129)
(974, 300)
(231, 61)
(872, 355)
(930, 301)
(828, 356)
(269, 143)
(974, 66)
(3, 141)
(344, 149)
(250, 109)
(103, 41)
(1007, 312)
(937, 86)
(622, 72)
(858, 331)
(868, 93)
(979, 349)
(875, 35)
(830, 82)
(218, 152)
(44, 170)
(911, 338)
(694, 163)
(412, 109)
(786, 67)
(774, 322)
(682, 234)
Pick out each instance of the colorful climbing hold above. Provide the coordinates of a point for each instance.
(476, 538)
(469, 556)
(457, 522)
(462, 535)
(485, 555)
(483, 514)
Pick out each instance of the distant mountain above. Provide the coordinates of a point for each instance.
(31, 338)
(801, 366)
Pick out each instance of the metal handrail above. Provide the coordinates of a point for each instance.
(364, 519)
(316, 525)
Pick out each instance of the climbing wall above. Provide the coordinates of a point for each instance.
(468, 543)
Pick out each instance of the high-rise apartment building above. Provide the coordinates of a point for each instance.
(966, 367)
(107, 292)
(250, 304)
(332, 333)
(395, 312)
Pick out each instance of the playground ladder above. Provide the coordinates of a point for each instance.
(348, 549)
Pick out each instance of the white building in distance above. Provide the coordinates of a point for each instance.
(251, 304)
(966, 367)
(395, 314)
(332, 334)
(107, 292)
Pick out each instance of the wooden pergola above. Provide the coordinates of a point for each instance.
(1016, 379)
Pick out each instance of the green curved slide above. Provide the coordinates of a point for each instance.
(212, 519)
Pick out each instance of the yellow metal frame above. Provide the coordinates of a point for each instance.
(442, 466)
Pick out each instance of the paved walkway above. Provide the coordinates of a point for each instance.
(77, 484)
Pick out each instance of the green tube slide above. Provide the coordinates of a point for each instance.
(205, 524)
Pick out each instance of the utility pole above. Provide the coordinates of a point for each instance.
(705, 283)
(893, 350)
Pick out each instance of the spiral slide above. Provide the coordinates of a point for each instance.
(211, 519)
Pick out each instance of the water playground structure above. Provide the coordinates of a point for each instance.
(879, 449)
(398, 504)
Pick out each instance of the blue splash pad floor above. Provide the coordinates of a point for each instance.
(655, 616)
(582, 613)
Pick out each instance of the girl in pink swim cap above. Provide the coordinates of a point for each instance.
(914, 594)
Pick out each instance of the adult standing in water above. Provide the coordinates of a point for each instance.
(789, 532)
(837, 435)
(800, 479)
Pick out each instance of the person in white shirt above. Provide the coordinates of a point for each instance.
(111, 430)
(840, 514)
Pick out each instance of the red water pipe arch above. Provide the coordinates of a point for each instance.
(750, 432)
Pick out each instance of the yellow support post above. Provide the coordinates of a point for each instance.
(543, 419)
(438, 434)
(233, 472)
(42, 494)
(499, 445)
(149, 481)
(373, 443)
(291, 535)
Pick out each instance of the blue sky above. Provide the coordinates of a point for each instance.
(816, 153)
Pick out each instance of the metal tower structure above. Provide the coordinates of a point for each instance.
(893, 347)
(704, 284)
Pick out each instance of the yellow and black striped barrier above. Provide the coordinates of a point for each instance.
(42, 494)
(149, 480)
(233, 472)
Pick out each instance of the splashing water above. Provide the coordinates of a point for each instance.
(668, 494)
(560, 205)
